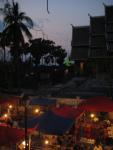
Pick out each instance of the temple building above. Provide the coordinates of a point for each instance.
(97, 41)
(80, 46)
(92, 46)
(109, 27)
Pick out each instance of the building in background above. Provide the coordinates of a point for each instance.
(92, 46)
(97, 44)
(80, 46)
(97, 41)
(109, 28)
(109, 34)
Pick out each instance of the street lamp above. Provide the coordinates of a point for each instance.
(25, 98)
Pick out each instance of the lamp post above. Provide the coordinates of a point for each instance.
(25, 98)
(26, 136)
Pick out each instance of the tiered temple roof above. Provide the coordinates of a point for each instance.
(109, 27)
(80, 42)
(95, 40)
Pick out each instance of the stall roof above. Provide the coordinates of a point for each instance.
(10, 135)
(97, 104)
(32, 123)
(67, 112)
(9, 99)
(50, 123)
(42, 101)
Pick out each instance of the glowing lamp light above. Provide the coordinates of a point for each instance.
(10, 106)
(96, 119)
(92, 115)
(46, 142)
(5, 115)
(23, 143)
(36, 110)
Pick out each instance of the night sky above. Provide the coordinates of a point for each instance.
(56, 25)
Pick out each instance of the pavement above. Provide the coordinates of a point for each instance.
(77, 86)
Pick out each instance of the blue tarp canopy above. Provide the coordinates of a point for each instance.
(50, 123)
(53, 124)
(42, 101)
(32, 122)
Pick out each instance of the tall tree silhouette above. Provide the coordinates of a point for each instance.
(16, 28)
(17, 25)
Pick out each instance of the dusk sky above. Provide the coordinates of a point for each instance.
(56, 24)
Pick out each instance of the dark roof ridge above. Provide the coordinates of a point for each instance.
(97, 17)
(82, 26)
(108, 5)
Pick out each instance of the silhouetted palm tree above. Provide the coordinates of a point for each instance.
(3, 44)
(16, 26)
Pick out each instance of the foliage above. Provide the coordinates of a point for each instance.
(16, 25)
(44, 55)
(46, 49)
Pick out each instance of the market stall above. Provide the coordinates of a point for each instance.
(95, 123)
(67, 112)
(9, 137)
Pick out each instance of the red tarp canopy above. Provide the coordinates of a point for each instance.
(97, 104)
(10, 135)
(9, 99)
(67, 112)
